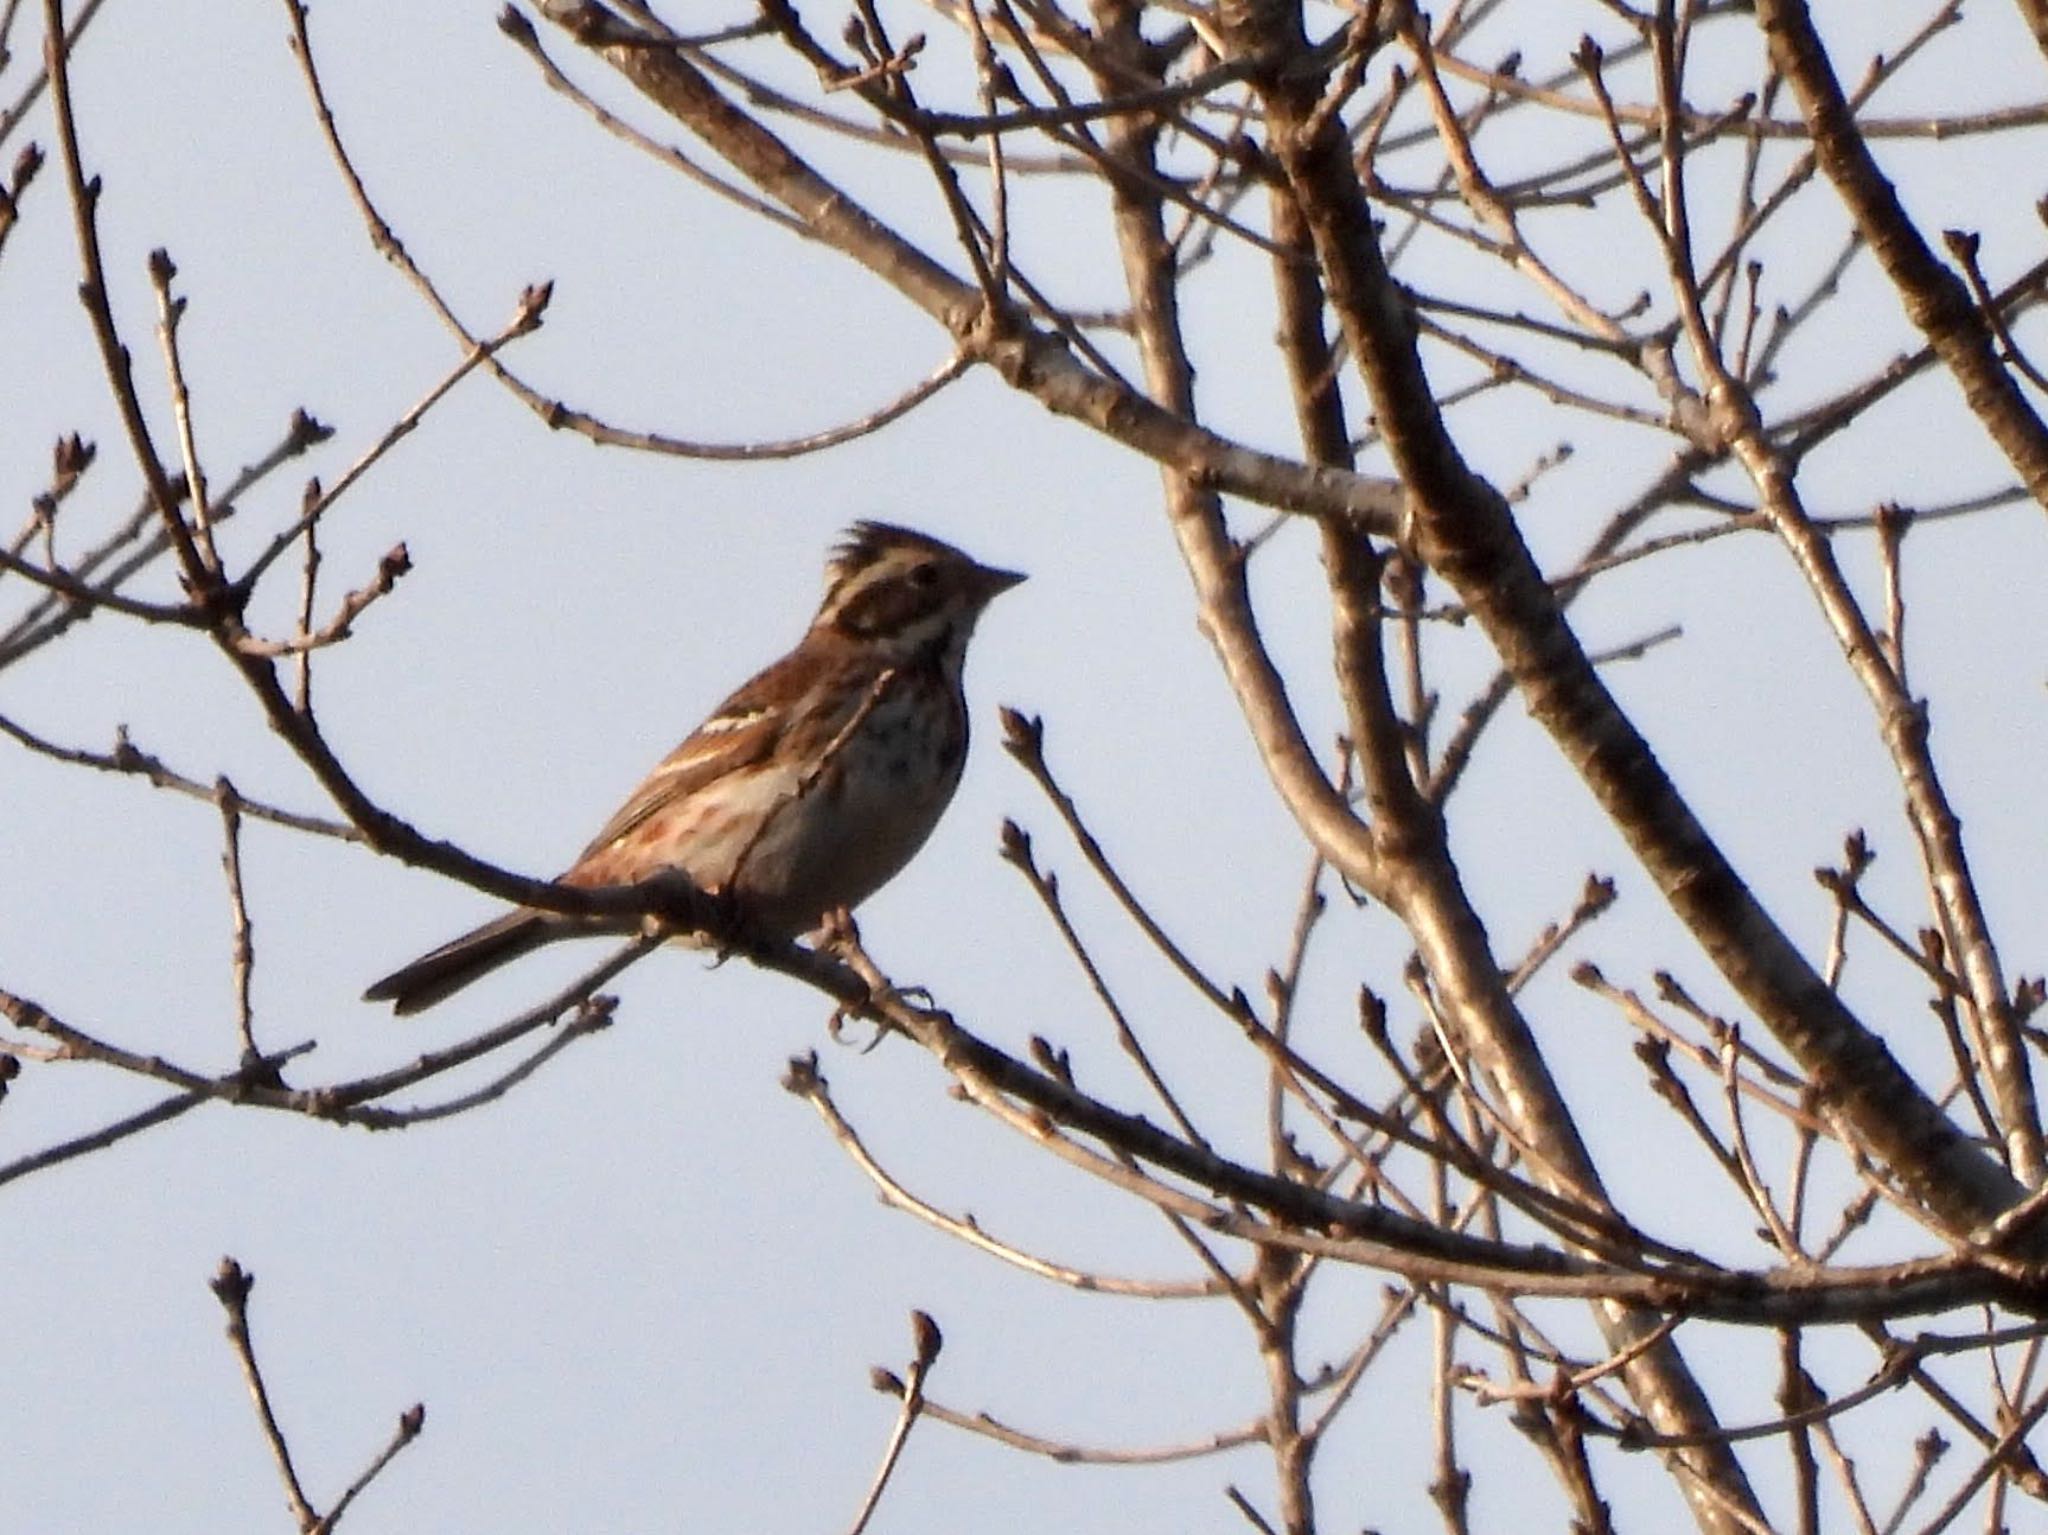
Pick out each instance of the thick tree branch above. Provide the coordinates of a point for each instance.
(1935, 298)
(1466, 533)
(1032, 359)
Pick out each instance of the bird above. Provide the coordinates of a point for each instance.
(805, 791)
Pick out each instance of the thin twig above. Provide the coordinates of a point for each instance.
(928, 1342)
(410, 1422)
(231, 1287)
(533, 303)
(242, 953)
(805, 1081)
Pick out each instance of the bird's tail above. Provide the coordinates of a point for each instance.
(437, 976)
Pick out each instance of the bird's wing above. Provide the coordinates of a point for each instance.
(743, 732)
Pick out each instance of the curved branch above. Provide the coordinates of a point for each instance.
(1466, 532)
(1032, 359)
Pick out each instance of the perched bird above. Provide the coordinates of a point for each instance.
(809, 788)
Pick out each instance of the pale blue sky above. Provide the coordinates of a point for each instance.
(644, 1292)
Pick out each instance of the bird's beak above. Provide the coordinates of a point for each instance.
(992, 583)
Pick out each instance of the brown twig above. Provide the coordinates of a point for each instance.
(590, 1015)
(396, 563)
(806, 1082)
(132, 761)
(1964, 247)
(144, 542)
(170, 314)
(309, 588)
(114, 355)
(928, 1341)
(242, 952)
(25, 103)
(410, 1422)
(1017, 853)
(526, 319)
(1024, 740)
(1067, 1453)
(231, 1287)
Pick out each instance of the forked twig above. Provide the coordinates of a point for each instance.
(928, 1341)
(231, 1286)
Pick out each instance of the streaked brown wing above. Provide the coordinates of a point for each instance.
(743, 731)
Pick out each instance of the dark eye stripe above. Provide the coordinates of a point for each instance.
(884, 607)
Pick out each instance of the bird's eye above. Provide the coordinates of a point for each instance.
(924, 576)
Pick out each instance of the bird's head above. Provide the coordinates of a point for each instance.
(906, 591)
